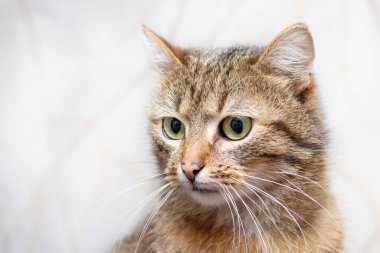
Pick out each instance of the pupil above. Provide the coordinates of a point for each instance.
(237, 125)
(175, 125)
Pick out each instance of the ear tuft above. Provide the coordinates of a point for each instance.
(290, 53)
(162, 52)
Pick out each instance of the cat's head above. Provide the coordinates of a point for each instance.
(226, 119)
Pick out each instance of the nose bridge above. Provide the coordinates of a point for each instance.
(194, 154)
(196, 148)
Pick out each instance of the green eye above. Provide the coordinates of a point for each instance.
(173, 128)
(236, 127)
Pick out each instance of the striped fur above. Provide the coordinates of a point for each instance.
(284, 154)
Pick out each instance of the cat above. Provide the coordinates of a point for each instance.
(241, 147)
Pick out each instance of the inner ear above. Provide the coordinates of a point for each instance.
(162, 52)
(291, 54)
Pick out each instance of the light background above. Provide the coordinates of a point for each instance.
(75, 87)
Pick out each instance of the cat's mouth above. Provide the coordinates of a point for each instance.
(205, 194)
(204, 190)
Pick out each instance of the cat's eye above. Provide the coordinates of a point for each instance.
(173, 128)
(236, 127)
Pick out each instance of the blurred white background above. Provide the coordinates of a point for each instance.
(75, 88)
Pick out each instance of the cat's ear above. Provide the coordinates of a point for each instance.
(290, 53)
(162, 53)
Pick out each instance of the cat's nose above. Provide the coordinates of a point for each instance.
(191, 169)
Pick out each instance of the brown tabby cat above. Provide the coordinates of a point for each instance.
(241, 146)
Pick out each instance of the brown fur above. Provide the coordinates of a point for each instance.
(285, 149)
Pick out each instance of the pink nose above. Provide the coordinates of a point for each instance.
(191, 169)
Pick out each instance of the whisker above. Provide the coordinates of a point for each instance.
(140, 183)
(111, 198)
(303, 177)
(240, 222)
(302, 192)
(299, 191)
(138, 206)
(317, 230)
(144, 201)
(269, 214)
(256, 222)
(234, 210)
(232, 215)
(252, 188)
(312, 226)
(160, 204)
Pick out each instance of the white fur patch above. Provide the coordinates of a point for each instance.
(291, 52)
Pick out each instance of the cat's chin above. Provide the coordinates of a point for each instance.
(204, 196)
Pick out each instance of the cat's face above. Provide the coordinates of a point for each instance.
(225, 118)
